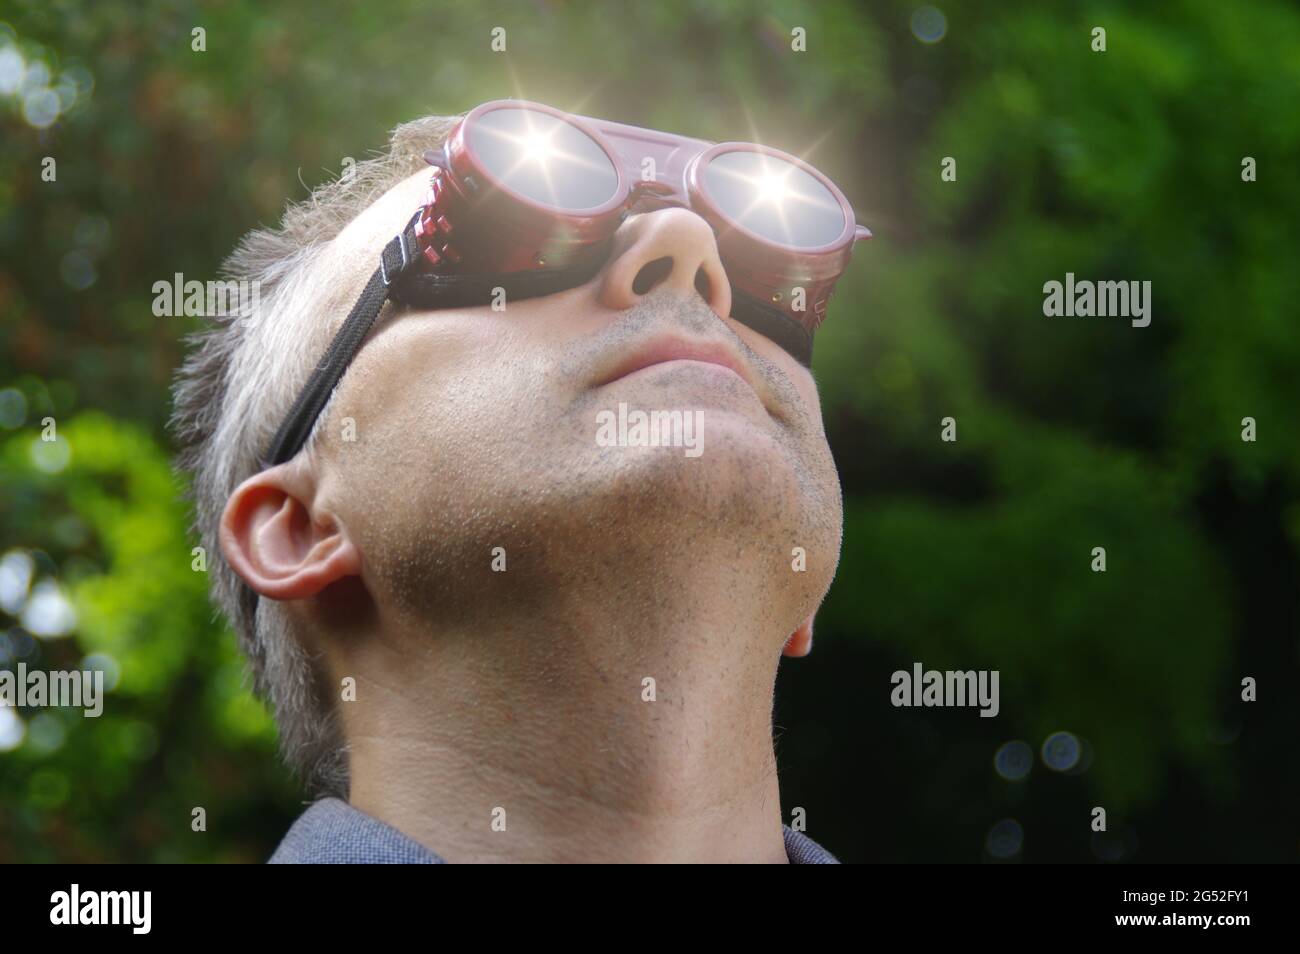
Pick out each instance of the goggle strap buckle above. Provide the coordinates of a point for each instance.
(400, 253)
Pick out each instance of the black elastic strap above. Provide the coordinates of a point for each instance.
(777, 325)
(422, 289)
(397, 258)
(311, 399)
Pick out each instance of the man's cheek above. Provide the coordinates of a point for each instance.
(485, 430)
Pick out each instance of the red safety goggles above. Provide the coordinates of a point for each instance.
(526, 198)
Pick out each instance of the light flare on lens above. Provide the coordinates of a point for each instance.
(772, 188)
(537, 147)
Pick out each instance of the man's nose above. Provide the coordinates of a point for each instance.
(671, 248)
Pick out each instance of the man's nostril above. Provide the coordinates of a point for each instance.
(652, 274)
(702, 283)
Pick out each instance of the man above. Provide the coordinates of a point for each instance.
(487, 634)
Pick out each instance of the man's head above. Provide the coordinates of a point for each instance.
(455, 498)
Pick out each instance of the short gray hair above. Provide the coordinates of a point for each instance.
(231, 393)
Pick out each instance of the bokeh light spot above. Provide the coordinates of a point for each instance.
(51, 457)
(78, 270)
(16, 570)
(12, 729)
(41, 107)
(45, 733)
(48, 612)
(13, 408)
(105, 664)
(1061, 751)
(929, 24)
(1014, 760)
(1005, 839)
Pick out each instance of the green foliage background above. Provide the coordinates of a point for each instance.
(1073, 433)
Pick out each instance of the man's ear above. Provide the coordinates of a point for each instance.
(800, 641)
(273, 540)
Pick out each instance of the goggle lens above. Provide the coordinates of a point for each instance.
(543, 158)
(774, 199)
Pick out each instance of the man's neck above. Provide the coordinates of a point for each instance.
(572, 742)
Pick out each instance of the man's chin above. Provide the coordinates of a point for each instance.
(742, 515)
(736, 481)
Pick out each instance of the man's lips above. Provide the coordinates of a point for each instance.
(664, 349)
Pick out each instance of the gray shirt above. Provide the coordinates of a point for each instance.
(332, 832)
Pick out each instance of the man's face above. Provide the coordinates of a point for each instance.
(478, 428)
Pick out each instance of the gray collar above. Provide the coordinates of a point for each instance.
(333, 832)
